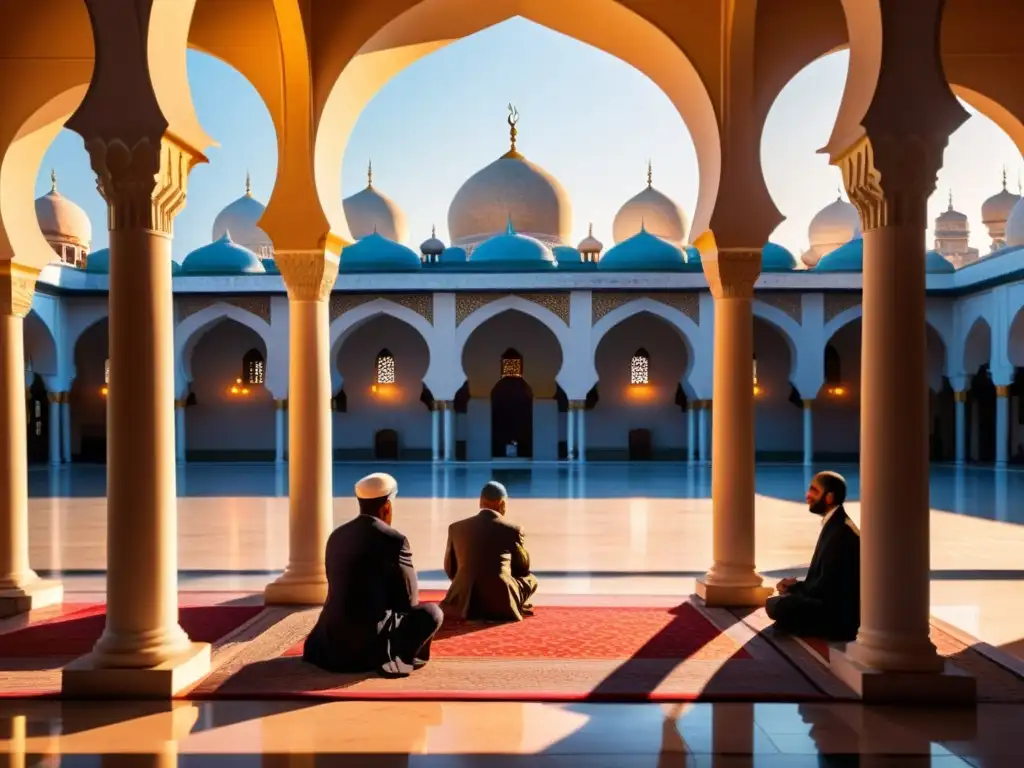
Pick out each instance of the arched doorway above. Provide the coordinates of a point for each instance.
(512, 411)
(38, 422)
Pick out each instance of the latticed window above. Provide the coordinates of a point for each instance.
(511, 364)
(385, 368)
(253, 368)
(755, 371)
(106, 371)
(640, 368)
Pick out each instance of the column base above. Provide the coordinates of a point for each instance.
(31, 597)
(84, 678)
(949, 685)
(721, 596)
(287, 591)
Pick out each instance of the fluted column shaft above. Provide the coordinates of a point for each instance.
(280, 429)
(1002, 425)
(435, 433)
(309, 277)
(691, 433)
(180, 435)
(570, 433)
(808, 433)
(961, 426)
(732, 579)
(448, 409)
(65, 427)
(53, 427)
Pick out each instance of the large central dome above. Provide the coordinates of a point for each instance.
(510, 187)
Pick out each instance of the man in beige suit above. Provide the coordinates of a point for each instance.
(487, 561)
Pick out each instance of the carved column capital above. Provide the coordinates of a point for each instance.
(577, 405)
(808, 403)
(144, 184)
(308, 275)
(17, 288)
(960, 396)
(1002, 391)
(890, 178)
(444, 405)
(732, 272)
(281, 404)
(181, 402)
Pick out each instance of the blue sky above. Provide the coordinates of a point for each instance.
(588, 118)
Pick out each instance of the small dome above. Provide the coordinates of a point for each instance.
(223, 257)
(1015, 225)
(175, 267)
(834, 225)
(590, 244)
(432, 246)
(775, 258)
(566, 254)
(510, 186)
(511, 250)
(376, 253)
(644, 252)
(850, 258)
(453, 255)
(653, 210)
(98, 262)
(240, 219)
(369, 211)
(62, 220)
(996, 209)
(950, 220)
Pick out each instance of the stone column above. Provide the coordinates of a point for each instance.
(448, 409)
(1002, 425)
(53, 406)
(280, 408)
(180, 434)
(732, 579)
(961, 426)
(570, 433)
(143, 650)
(20, 588)
(435, 432)
(309, 277)
(691, 432)
(65, 426)
(581, 430)
(703, 431)
(808, 433)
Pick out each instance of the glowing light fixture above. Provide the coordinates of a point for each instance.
(104, 391)
(238, 389)
(837, 391)
(758, 390)
(640, 368)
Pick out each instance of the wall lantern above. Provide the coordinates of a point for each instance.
(238, 389)
(837, 391)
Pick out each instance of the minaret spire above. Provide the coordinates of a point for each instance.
(650, 173)
(1004, 177)
(590, 230)
(950, 200)
(433, 231)
(513, 119)
(248, 183)
(369, 174)
(53, 181)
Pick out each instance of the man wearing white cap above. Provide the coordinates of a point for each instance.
(372, 619)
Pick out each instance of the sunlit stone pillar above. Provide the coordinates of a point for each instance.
(309, 277)
(808, 433)
(143, 650)
(65, 426)
(570, 433)
(280, 434)
(448, 409)
(961, 426)
(1002, 424)
(691, 433)
(20, 588)
(732, 579)
(581, 431)
(53, 406)
(180, 435)
(435, 432)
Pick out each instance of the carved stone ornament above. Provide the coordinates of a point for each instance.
(189, 304)
(603, 302)
(468, 303)
(732, 272)
(144, 185)
(17, 288)
(420, 303)
(308, 275)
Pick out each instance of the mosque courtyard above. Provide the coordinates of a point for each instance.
(600, 534)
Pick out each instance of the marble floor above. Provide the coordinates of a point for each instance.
(602, 533)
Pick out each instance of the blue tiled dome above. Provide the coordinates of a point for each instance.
(645, 252)
(693, 257)
(222, 257)
(775, 258)
(453, 255)
(512, 251)
(566, 254)
(850, 258)
(375, 253)
(98, 261)
(175, 267)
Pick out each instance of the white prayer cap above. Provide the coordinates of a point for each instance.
(376, 486)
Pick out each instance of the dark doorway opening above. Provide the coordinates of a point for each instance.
(386, 444)
(981, 403)
(639, 445)
(38, 422)
(512, 418)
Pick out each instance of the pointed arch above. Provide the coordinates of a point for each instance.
(345, 324)
(188, 332)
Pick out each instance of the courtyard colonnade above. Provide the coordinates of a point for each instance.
(889, 154)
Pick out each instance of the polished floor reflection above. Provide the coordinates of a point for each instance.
(526, 734)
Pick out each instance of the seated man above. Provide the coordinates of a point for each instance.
(826, 604)
(487, 561)
(372, 619)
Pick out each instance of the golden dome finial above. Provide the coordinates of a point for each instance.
(53, 181)
(650, 173)
(1004, 177)
(513, 118)
(433, 230)
(248, 183)
(369, 174)
(950, 200)
(590, 230)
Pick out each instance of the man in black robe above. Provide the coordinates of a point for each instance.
(372, 619)
(826, 603)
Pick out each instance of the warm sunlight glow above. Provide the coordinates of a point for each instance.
(837, 391)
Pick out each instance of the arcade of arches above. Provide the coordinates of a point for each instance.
(721, 64)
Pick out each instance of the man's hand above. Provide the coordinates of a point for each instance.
(785, 584)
